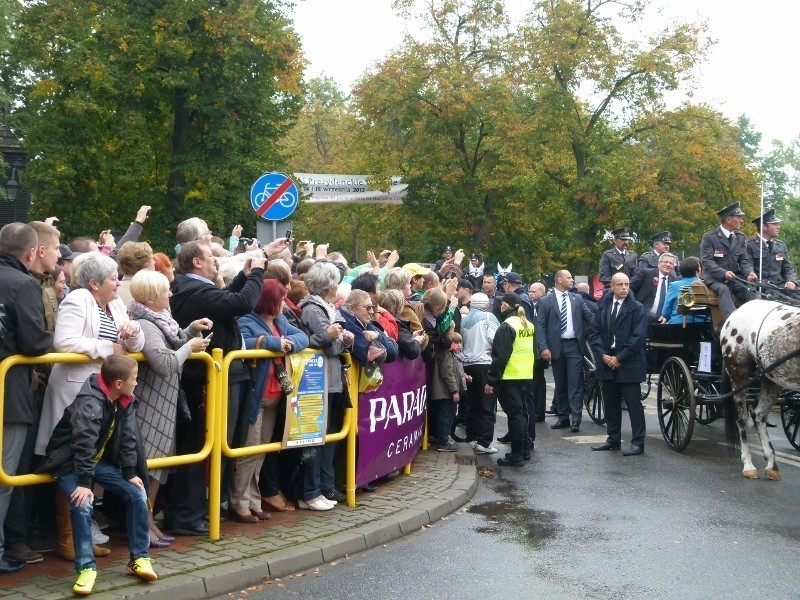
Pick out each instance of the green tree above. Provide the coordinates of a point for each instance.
(594, 93)
(431, 112)
(164, 102)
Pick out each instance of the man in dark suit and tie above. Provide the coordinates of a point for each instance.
(618, 342)
(724, 254)
(562, 323)
(649, 286)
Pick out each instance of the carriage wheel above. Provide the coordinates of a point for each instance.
(676, 403)
(705, 413)
(593, 397)
(790, 418)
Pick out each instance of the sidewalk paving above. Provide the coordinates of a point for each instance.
(289, 543)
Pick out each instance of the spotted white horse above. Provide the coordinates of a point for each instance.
(767, 334)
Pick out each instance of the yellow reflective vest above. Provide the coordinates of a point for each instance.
(520, 363)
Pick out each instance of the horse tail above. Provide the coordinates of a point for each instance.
(732, 436)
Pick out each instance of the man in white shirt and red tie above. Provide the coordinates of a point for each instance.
(649, 286)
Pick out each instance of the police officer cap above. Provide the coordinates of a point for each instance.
(512, 277)
(767, 218)
(474, 256)
(665, 237)
(732, 210)
(623, 233)
(447, 249)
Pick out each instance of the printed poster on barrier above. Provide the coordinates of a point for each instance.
(391, 420)
(306, 408)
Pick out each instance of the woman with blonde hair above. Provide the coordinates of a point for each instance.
(166, 348)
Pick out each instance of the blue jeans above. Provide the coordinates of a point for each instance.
(135, 499)
(441, 413)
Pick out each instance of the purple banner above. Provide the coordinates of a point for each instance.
(391, 421)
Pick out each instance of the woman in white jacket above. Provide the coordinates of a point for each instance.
(91, 320)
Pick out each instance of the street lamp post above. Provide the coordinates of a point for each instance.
(16, 160)
(12, 185)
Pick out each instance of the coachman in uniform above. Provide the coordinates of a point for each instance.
(619, 259)
(724, 254)
(769, 255)
(662, 241)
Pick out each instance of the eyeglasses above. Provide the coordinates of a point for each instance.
(369, 307)
(204, 234)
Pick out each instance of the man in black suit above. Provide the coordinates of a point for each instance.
(724, 254)
(618, 342)
(649, 286)
(562, 322)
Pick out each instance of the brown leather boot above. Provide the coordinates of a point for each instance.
(65, 548)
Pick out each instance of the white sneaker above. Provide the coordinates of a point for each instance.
(485, 450)
(98, 537)
(461, 431)
(472, 444)
(319, 503)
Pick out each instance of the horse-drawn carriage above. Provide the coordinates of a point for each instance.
(692, 385)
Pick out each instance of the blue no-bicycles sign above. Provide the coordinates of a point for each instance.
(274, 196)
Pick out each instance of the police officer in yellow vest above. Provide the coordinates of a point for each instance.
(511, 374)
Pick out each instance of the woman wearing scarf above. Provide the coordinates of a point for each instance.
(166, 348)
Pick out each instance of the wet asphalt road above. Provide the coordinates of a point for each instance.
(581, 524)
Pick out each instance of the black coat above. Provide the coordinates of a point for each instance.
(631, 335)
(26, 334)
(83, 430)
(193, 299)
(409, 348)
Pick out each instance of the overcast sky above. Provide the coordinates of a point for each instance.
(752, 69)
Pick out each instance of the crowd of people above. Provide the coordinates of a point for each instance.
(485, 338)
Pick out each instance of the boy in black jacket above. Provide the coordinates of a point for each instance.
(96, 441)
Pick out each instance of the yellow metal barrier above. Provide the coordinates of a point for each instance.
(348, 431)
(216, 441)
(69, 357)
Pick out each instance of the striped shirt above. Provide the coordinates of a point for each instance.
(108, 328)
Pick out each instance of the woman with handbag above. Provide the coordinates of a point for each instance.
(166, 347)
(267, 329)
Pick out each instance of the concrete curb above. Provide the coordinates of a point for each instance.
(220, 579)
